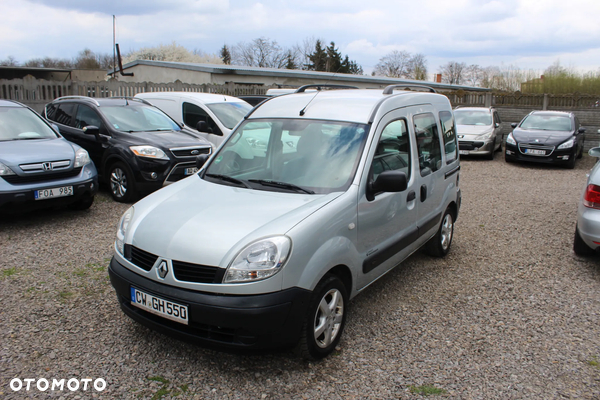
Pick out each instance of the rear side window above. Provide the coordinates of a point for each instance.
(192, 114)
(428, 143)
(449, 135)
(393, 150)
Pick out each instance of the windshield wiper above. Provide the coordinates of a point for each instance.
(284, 185)
(228, 178)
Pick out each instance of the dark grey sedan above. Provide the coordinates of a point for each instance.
(38, 167)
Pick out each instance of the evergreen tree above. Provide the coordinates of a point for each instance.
(290, 61)
(225, 55)
(318, 59)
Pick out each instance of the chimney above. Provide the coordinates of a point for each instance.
(438, 78)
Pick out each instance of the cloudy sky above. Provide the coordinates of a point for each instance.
(528, 34)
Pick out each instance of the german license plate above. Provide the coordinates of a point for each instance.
(52, 193)
(463, 152)
(161, 307)
(536, 152)
(190, 171)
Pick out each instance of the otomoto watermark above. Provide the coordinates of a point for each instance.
(43, 384)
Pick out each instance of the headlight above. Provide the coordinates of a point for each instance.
(81, 158)
(5, 170)
(122, 230)
(511, 140)
(486, 135)
(568, 144)
(259, 260)
(149, 152)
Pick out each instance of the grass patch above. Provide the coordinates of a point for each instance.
(426, 390)
(64, 295)
(9, 272)
(164, 390)
(594, 362)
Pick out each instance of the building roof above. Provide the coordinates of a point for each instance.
(298, 74)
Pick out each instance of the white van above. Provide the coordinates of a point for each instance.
(217, 114)
(266, 248)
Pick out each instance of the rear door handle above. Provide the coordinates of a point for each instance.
(411, 196)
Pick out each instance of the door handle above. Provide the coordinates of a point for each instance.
(423, 193)
(411, 196)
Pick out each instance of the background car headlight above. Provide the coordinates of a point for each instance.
(122, 230)
(149, 152)
(81, 158)
(259, 260)
(568, 144)
(511, 140)
(5, 170)
(485, 135)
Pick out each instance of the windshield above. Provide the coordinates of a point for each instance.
(547, 122)
(303, 156)
(230, 113)
(19, 123)
(136, 118)
(466, 117)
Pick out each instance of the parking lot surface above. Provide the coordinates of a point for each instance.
(510, 313)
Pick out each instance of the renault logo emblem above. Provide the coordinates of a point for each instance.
(163, 269)
(47, 166)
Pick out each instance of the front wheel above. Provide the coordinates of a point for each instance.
(439, 245)
(121, 183)
(325, 320)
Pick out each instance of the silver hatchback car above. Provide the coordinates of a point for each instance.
(587, 230)
(479, 131)
(313, 197)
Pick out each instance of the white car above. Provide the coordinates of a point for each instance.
(217, 114)
(265, 249)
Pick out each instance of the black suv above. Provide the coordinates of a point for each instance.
(136, 147)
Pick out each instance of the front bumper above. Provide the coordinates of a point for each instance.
(475, 147)
(552, 156)
(218, 320)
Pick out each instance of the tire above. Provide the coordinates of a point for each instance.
(325, 319)
(83, 203)
(121, 183)
(571, 163)
(439, 245)
(579, 246)
(492, 152)
(508, 159)
(580, 153)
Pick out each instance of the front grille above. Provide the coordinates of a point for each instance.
(468, 145)
(139, 257)
(523, 147)
(189, 152)
(187, 272)
(46, 166)
(41, 177)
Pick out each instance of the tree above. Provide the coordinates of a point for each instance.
(417, 67)
(9, 61)
(172, 52)
(291, 61)
(260, 52)
(329, 59)
(473, 75)
(318, 58)
(225, 55)
(452, 72)
(394, 65)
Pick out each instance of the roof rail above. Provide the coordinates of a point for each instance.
(80, 98)
(302, 89)
(390, 89)
(132, 98)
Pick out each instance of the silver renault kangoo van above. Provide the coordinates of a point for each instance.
(313, 197)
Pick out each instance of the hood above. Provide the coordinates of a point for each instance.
(541, 137)
(17, 152)
(201, 222)
(170, 139)
(473, 129)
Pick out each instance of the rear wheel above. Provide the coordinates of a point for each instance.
(121, 183)
(439, 245)
(579, 246)
(325, 321)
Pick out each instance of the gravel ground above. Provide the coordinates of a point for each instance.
(510, 313)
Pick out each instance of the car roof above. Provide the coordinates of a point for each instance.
(557, 113)
(198, 96)
(352, 105)
(488, 109)
(104, 101)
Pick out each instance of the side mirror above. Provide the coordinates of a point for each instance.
(497, 124)
(201, 160)
(594, 152)
(581, 130)
(387, 181)
(55, 127)
(91, 130)
(514, 124)
(202, 126)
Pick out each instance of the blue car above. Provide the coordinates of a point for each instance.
(38, 167)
